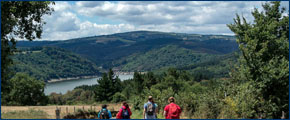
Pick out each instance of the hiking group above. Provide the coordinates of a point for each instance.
(171, 111)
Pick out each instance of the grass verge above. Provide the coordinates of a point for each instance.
(30, 114)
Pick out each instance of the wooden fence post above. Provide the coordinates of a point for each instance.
(283, 115)
(66, 110)
(57, 113)
(74, 109)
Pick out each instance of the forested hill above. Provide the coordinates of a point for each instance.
(168, 56)
(108, 50)
(46, 63)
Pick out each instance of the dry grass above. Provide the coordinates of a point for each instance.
(31, 114)
(50, 110)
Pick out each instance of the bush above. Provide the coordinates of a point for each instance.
(27, 90)
(118, 97)
(80, 114)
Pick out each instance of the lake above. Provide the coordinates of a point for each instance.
(64, 86)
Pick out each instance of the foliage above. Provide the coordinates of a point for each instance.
(265, 57)
(25, 17)
(138, 82)
(30, 114)
(169, 85)
(19, 19)
(86, 87)
(245, 100)
(26, 90)
(76, 96)
(168, 56)
(107, 86)
(150, 80)
(137, 114)
(214, 67)
(45, 63)
(81, 114)
(118, 97)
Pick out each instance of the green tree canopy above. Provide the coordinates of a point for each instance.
(107, 86)
(27, 90)
(19, 19)
(265, 56)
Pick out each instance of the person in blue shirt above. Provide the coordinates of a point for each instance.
(104, 113)
(150, 109)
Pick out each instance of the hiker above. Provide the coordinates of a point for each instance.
(172, 110)
(150, 109)
(124, 112)
(104, 113)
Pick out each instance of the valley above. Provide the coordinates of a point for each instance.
(124, 52)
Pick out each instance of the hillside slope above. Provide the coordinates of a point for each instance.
(106, 49)
(215, 67)
(46, 63)
(168, 56)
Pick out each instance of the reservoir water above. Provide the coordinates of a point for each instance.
(64, 86)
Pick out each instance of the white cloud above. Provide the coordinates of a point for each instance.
(88, 3)
(88, 29)
(61, 6)
(69, 20)
(146, 12)
(61, 20)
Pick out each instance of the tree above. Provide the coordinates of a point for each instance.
(26, 90)
(149, 80)
(102, 90)
(107, 86)
(118, 97)
(265, 56)
(115, 82)
(138, 82)
(19, 19)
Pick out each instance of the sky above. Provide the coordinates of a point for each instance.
(92, 18)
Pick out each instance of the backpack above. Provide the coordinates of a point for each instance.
(104, 114)
(125, 114)
(150, 109)
(173, 111)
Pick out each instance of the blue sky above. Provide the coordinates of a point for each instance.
(89, 18)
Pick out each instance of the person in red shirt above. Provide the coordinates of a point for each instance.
(124, 112)
(172, 110)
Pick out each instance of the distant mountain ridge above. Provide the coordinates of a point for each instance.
(106, 51)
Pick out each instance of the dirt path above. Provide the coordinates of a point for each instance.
(50, 110)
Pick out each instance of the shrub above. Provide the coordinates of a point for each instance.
(118, 97)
